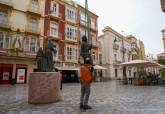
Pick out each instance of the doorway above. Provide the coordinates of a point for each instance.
(6, 73)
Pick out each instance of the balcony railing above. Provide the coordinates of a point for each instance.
(33, 31)
(6, 3)
(117, 62)
(56, 15)
(115, 46)
(163, 5)
(4, 24)
(58, 36)
(71, 58)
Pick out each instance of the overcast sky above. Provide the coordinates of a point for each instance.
(141, 18)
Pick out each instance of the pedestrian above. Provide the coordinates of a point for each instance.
(85, 80)
(61, 78)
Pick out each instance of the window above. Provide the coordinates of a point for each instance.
(55, 56)
(30, 44)
(54, 9)
(71, 32)
(71, 52)
(4, 40)
(93, 23)
(3, 17)
(100, 58)
(7, 41)
(83, 18)
(1, 40)
(116, 73)
(34, 5)
(33, 45)
(33, 25)
(54, 30)
(71, 14)
(94, 39)
(27, 46)
(115, 57)
(94, 57)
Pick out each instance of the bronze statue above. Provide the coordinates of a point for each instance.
(45, 58)
(85, 51)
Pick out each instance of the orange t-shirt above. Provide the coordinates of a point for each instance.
(85, 76)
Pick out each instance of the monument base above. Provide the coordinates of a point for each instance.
(44, 87)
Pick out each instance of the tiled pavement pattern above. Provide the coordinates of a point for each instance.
(106, 98)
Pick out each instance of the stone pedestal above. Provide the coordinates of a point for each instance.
(44, 87)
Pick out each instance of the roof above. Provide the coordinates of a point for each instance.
(161, 54)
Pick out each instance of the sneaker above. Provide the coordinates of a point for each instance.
(86, 107)
(81, 106)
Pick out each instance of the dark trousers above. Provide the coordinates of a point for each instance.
(85, 93)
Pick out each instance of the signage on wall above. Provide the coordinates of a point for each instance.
(20, 75)
(5, 76)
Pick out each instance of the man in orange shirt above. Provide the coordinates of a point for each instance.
(85, 80)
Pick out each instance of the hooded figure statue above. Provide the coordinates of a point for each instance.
(85, 50)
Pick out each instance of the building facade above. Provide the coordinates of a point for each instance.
(137, 47)
(65, 23)
(21, 33)
(116, 49)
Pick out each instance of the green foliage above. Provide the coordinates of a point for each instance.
(161, 61)
(162, 71)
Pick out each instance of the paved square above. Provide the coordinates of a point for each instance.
(106, 98)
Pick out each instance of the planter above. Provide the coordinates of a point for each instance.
(138, 82)
(44, 87)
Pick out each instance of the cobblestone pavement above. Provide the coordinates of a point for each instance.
(106, 98)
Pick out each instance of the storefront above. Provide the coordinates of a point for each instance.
(15, 71)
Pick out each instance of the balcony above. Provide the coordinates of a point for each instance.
(55, 16)
(4, 24)
(163, 5)
(35, 10)
(71, 58)
(116, 62)
(115, 46)
(32, 31)
(56, 37)
(6, 4)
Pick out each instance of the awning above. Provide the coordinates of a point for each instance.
(98, 67)
(142, 63)
(67, 68)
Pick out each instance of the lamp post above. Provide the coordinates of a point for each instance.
(124, 68)
(163, 38)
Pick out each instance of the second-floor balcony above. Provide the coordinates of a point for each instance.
(116, 62)
(4, 24)
(34, 10)
(71, 58)
(55, 16)
(32, 31)
(58, 36)
(6, 3)
(163, 5)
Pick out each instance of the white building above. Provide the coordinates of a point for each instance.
(114, 49)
